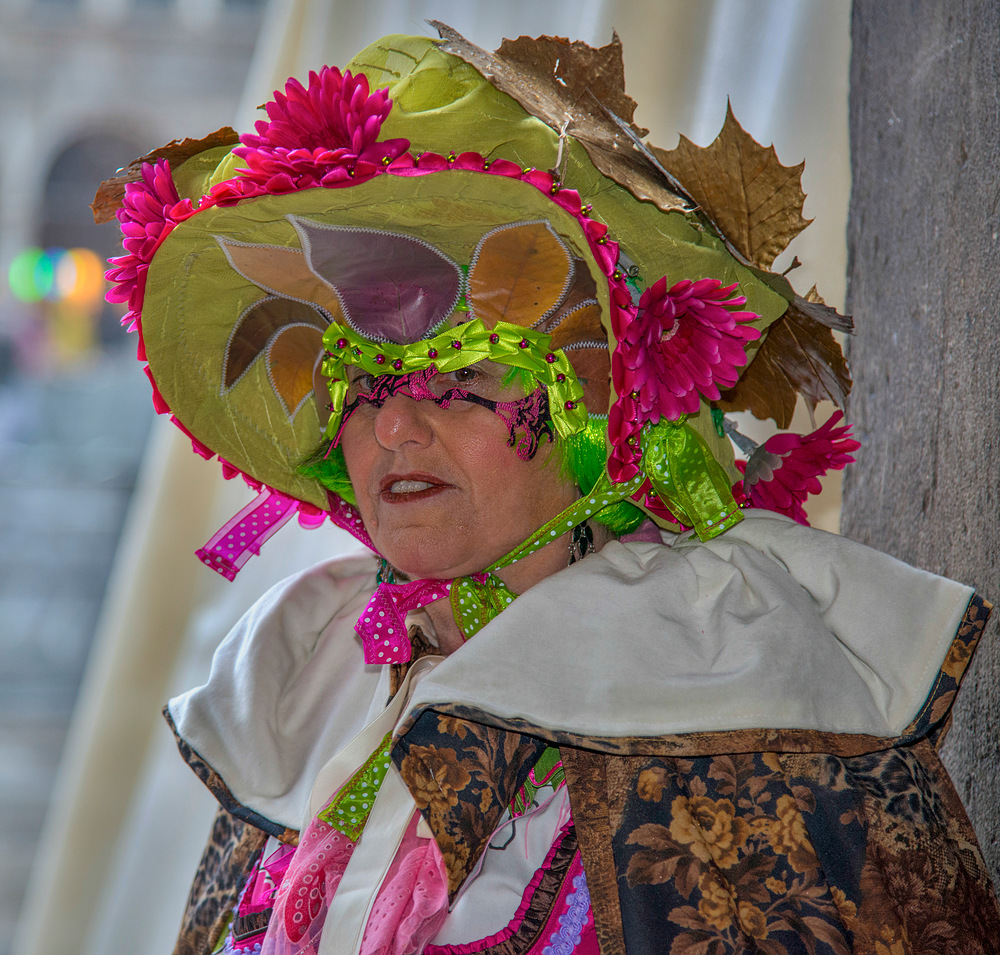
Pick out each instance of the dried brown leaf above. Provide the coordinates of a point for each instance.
(820, 312)
(580, 90)
(111, 192)
(749, 195)
(798, 356)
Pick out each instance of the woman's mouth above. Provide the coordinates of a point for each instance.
(407, 487)
(401, 490)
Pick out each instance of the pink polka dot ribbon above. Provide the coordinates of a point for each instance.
(382, 625)
(240, 538)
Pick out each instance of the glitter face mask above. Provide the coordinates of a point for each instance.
(527, 419)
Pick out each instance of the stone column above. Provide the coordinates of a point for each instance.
(924, 286)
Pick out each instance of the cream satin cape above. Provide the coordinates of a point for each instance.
(772, 625)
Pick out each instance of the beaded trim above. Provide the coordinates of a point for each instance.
(450, 350)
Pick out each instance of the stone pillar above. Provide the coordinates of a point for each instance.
(924, 287)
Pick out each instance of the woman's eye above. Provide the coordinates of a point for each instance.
(364, 382)
(466, 375)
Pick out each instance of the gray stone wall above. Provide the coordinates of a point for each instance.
(924, 285)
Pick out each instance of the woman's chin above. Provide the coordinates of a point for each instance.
(435, 569)
(437, 557)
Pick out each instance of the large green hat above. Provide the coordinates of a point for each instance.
(434, 222)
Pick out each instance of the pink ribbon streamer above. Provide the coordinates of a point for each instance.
(241, 537)
(382, 625)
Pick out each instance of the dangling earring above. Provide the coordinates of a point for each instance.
(582, 542)
(386, 572)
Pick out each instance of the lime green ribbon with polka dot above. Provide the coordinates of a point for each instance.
(687, 477)
(476, 602)
(349, 810)
(684, 474)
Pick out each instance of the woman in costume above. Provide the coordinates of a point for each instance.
(590, 694)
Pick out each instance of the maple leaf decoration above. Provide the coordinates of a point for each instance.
(753, 199)
(756, 204)
(799, 356)
(111, 192)
(578, 90)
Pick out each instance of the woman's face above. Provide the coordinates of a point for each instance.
(440, 492)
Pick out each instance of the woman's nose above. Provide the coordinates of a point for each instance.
(403, 421)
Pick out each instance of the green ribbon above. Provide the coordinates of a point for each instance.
(349, 810)
(454, 348)
(476, 603)
(688, 479)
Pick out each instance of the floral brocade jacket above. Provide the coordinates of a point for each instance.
(778, 841)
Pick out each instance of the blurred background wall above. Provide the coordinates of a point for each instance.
(104, 611)
(85, 86)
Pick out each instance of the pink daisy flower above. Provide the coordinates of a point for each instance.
(683, 343)
(150, 209)
(785, 470)
(323, 135)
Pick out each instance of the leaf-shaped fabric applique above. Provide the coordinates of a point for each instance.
(291, 357)
(754, 200)
(579, 89)
(282, 271)
(392, 287)
(798, 356)
(111, 192)
(582, 291)
(581, 325)
(519, 274)
(257, 326)
(593, 369)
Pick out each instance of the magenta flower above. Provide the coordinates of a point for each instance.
(323, 135)
(150, 209)
(786, 469)
(682, 344)
(685, 342)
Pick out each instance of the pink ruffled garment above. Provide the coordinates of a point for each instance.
(409, 909)
(413, 902)
(303, 898)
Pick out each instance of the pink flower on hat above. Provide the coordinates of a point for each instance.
(786, 469)
(683, 343)
(323, 135)
(150, 209)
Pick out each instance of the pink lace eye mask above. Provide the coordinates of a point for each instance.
(527, 419)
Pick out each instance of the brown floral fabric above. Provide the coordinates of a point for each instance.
(463, 777)
(788, 853)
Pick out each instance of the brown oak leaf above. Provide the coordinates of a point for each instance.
(753, 199)
(798, 356)
(579, 90)
(111, 192)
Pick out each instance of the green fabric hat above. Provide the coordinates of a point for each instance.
(235, 276)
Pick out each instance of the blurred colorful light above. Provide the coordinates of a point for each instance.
(75, 276)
